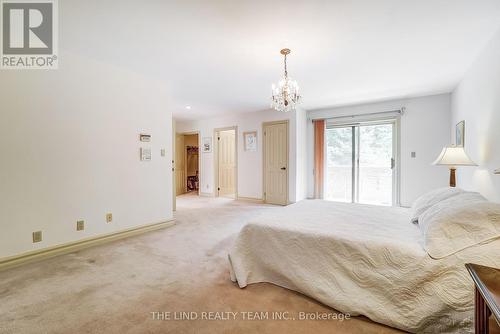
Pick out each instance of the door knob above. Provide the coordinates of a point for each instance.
(283, 168)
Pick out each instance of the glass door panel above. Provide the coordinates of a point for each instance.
(360, 163)
(375, 164)
(339, 164)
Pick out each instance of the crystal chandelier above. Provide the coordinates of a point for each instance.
(286, 94)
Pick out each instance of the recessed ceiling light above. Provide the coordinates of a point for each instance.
(188, 107)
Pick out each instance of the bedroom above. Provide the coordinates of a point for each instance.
(336, 216)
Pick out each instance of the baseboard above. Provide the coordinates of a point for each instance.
(206, 194)
(41, 254)
(250, 199)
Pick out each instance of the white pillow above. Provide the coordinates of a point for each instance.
(431, 198)
(459, 222)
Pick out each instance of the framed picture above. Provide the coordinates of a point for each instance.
(460, 134)
(250, 140)
(207, 145)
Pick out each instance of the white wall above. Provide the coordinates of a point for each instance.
(249, 163)
(301, 156)
(477, 101)
(69, 150)
(425, 130)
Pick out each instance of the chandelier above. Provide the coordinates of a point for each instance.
(286, 94)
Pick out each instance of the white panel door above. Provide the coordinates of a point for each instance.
(276, 163)
(227, 163)
(180, 165)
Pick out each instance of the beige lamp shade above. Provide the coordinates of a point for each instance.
(454, 156)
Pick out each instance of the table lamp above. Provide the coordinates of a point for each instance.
(453, 157)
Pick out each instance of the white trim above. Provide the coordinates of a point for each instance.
(40, 254)
(250, 199)
(396, 193)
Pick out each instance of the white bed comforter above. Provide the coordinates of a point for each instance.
(361, 259)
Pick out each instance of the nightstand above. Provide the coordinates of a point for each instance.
(487, 296)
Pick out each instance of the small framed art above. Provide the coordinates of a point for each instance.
(207, 145)
(250, 140)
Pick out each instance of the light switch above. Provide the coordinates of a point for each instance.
(162, 152)
(413, 154)
(145, 154)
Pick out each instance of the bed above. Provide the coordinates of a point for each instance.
(362, 260)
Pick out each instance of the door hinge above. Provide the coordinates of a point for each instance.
(218, 138)
(218, 189)
(393, 163)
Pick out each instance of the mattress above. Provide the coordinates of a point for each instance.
(362, 260)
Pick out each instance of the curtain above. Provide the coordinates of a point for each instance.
(319, 157)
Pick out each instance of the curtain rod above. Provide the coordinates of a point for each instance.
(399, 111)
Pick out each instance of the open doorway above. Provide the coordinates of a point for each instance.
(187, 163)
(226, 180)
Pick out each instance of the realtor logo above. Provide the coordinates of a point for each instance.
(29, 34)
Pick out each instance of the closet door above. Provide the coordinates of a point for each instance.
(276, 163)
(227, 163)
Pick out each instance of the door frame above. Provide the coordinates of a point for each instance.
(174, 185)
(264, 124)
(396, 152)
(216, 159)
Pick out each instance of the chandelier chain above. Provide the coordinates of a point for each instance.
(286, 72)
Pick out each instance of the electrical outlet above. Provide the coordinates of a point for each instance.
(109, 217)
(162, 152)
(37, 236)
(80, 225)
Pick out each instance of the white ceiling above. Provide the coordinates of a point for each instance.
(222, 56)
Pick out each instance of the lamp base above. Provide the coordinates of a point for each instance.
(453, 182)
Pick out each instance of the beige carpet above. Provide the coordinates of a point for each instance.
(114, 288)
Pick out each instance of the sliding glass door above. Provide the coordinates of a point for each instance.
(339, 171)
(360, 163)
(375, 164)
